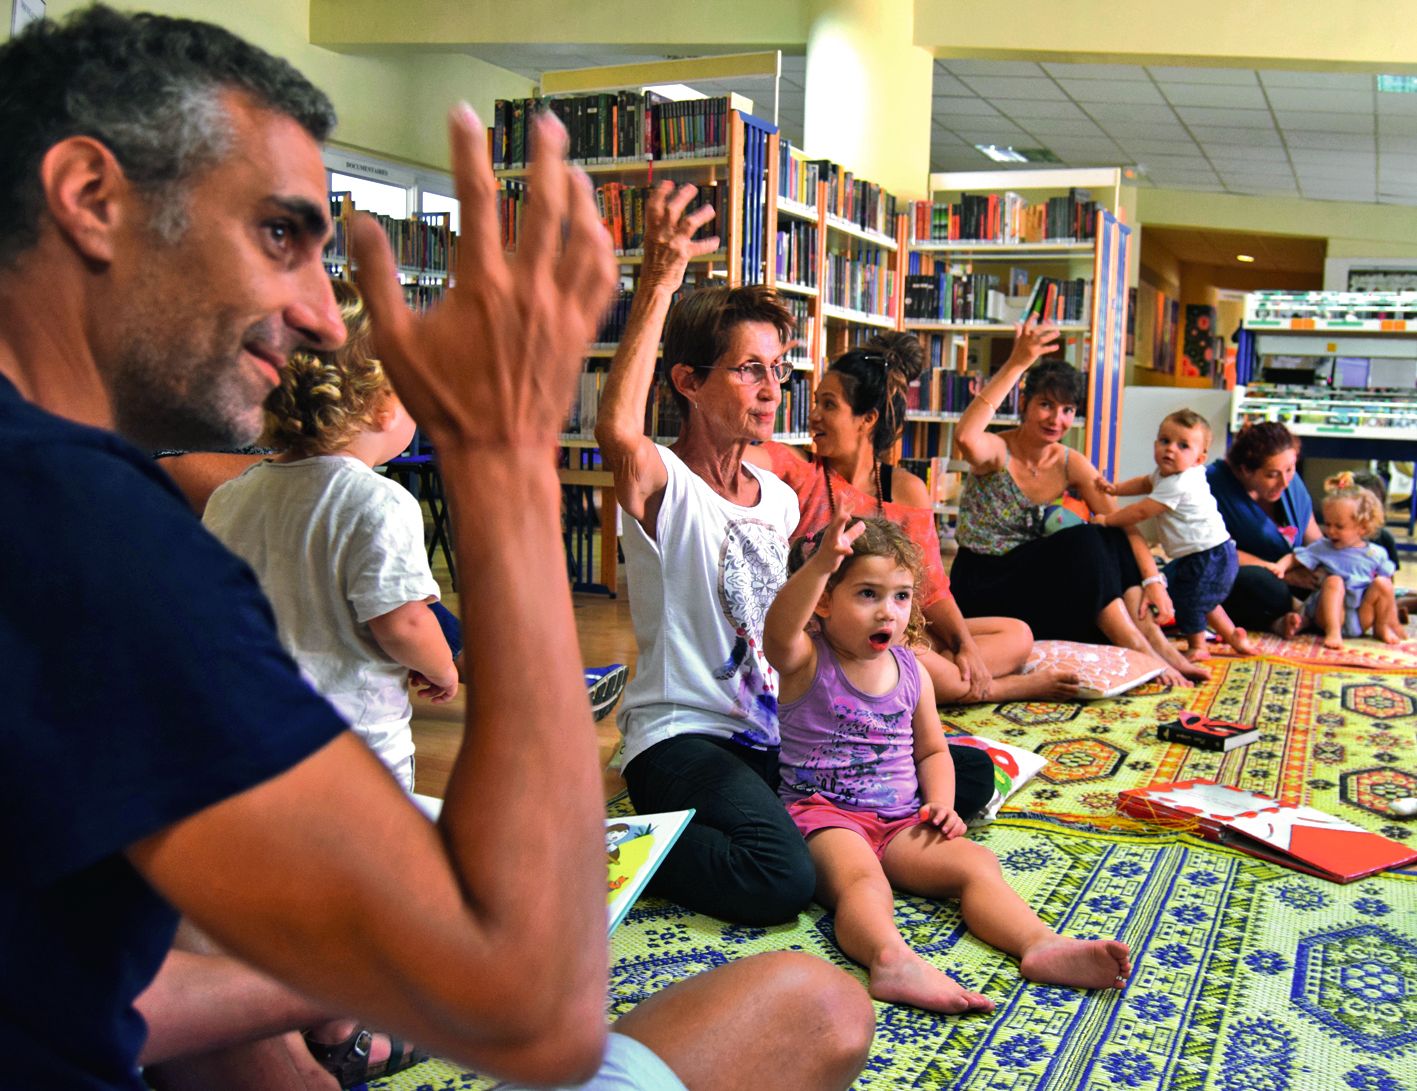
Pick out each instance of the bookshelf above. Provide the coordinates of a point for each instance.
(974, 252)
(424, 245)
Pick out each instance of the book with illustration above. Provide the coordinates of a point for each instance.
(635, 845)
(1299, 837)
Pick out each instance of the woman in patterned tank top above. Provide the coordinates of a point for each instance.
(1084, 582)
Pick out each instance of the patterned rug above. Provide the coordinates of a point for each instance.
(1344, 741)
(1308, 648)
(1247, 977)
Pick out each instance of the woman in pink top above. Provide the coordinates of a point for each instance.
(857, 418)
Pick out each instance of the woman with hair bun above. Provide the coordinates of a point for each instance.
(1084, 582)
(857, 417)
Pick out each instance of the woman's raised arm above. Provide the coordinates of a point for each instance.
(982, 449)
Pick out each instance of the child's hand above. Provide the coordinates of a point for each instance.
(1107, 488)
(943, 819)
(835, 545)
(440, 688)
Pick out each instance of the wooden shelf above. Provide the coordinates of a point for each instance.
(797, 211)
(1005, 251)
(924, 417)
(861, 318)
(638, 259)
(632, 166)
(926, 326)
(796, 289)
(875, 238)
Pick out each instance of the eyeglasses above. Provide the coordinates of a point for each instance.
(757, 374)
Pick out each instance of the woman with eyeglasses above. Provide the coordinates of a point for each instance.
(705, 540)
(858, 415)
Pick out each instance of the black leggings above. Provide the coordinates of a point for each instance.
(1058, 584)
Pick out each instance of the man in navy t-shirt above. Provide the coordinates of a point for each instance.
(163, 213)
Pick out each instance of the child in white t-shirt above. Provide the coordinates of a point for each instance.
(1203, 561)
(338, 549)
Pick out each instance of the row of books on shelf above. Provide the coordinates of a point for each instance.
(941, 483)
(661, 414)
(796, 252)
(865, 204)
(796, 174)
(1005, 218)
(865, 282)
(621, 208)
(1065, 302)
(944, 296)
(801, 352)
(423, 241)
(941, 390)
(795, 406)
(617, 127)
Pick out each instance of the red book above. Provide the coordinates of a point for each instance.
(1299, 837)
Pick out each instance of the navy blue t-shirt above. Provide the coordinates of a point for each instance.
(142, 681)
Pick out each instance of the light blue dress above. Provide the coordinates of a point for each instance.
(1358, 565)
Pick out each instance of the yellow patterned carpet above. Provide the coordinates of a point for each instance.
(1248, 977)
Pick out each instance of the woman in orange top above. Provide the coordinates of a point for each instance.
(858, 416)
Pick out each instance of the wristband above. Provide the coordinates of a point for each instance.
(1158, 578)
(993, 408)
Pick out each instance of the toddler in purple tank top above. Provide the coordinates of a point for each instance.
(868, 779)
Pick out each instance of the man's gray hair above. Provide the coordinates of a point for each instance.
(149, 88)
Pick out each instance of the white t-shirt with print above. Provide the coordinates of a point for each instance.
(699, 591)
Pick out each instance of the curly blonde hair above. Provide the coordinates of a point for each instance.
(325, 399)
(1366, 509)
(881, 538)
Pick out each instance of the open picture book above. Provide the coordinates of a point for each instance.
(1299, 837)
(635, 845)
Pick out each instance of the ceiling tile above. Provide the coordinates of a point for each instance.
(1405, 199)
(1339, 81)
(971, 130)
(1156, 130)
(945, 84)
(1394, 142)
(1133, 113)
(963, 107)
(962, 66)
(1026, 108)
(1309, 157)
(1325, 122)
(1392, 103)
(1015, 87)
(1399, 161)
(1160, 164)
(1397, 125)
(1241, 153)
(1233, 76)
(1160, 147)
(1230, 96)
(1064, 127)
(1303, 138)
(1325, 99)
(1235, 119)
(1113, 91)
(1096, 71)
(1218, 134)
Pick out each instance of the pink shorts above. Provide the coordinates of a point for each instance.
(819, 813)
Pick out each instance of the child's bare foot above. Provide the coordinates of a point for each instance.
(1197, 654)
(1290, 624)
(1240, 641)
(1388, 635)
(903, 977)
(1333, 640)
(1081, 963)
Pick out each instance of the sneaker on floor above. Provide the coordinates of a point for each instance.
(604, 686)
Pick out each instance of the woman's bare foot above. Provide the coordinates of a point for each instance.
(1240, 641)
(903, 977)
(1290, 625)
(1054, 683)
(1172, 677)
(1197, 654)
(1081, 963)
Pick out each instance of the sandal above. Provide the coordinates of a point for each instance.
(348, 1061)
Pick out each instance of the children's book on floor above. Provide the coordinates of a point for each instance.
(1301, 837)
(635, 845)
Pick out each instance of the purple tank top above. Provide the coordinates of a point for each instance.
(856, 750)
